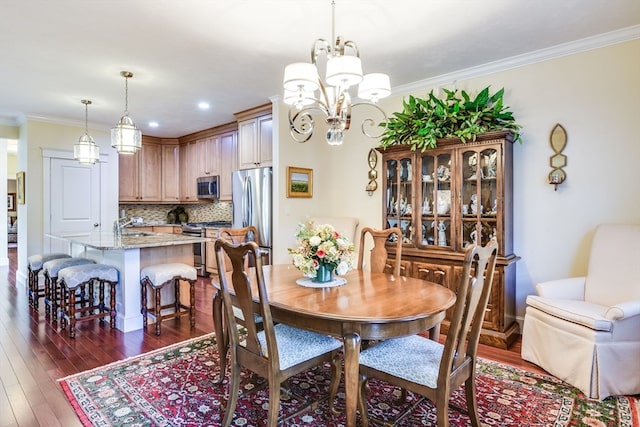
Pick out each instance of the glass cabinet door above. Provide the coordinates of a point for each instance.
(436, 197)
(399, 196)
(479, 196)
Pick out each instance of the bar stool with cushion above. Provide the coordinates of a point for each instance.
(157, 277)
(50, 270)
(71, 279)
(34, 267)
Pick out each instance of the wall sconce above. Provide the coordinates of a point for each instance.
(557, 140)
(373, 173)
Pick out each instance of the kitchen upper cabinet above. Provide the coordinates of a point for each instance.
(170, 173)
(228, 163)
(188, 172)
(140, 175)
(255, 138)
(208, 156)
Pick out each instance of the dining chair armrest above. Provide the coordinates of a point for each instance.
(570, 288)
(623, 310)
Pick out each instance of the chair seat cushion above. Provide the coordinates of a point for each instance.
(581, 312)
(160, 273)
(35, 262)
(413, 358)
(53, 267)
(78, 274)
(297, 345)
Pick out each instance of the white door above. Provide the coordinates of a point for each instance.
(74, 199)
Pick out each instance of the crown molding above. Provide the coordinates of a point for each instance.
(558, 51)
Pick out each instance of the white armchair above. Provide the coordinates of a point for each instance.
(586, 330)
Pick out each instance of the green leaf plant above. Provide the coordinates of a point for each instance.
(423, 121)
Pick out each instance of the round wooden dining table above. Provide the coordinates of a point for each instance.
(369, 306)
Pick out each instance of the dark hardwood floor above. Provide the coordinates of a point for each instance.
(34, 354)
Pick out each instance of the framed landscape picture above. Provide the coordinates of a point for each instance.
(299, 182)
(11, 202)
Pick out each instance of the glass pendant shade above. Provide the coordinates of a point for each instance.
(374, 86)
(345, 70)
(86, 151)
(126, 137)
(300, 76)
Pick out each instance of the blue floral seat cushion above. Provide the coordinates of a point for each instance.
(76, 275)
(297, 345)
(35, 262)
(53, 267)
(412, 358)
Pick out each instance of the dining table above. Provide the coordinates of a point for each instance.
(359, 305)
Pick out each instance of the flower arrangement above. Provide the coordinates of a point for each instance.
(321, 245)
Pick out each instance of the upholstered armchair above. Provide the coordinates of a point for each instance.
(586, 330)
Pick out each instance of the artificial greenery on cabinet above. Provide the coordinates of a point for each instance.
(423, 121)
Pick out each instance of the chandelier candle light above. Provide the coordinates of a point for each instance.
(125, 136)
(86, 151)
(343, 70)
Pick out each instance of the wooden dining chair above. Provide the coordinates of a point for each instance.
(278, 351)
(431, 369)
(378, 260)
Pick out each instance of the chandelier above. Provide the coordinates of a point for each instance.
(343, 70)
(125, 136)
(86, 151)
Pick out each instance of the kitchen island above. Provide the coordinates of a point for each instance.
(131, 253)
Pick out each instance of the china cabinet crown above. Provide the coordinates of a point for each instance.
(446, 198)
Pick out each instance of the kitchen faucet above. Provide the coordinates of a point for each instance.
(118, 226)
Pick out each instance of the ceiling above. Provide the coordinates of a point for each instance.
(231, 53)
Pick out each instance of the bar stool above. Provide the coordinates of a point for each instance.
(34, 267)
(157, 276)
(50, 270)
(75, 277)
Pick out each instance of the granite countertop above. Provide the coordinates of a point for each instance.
(133, 240)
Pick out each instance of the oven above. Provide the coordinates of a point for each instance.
(200, 249)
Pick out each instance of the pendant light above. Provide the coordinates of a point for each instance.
(86, 151)
(125, 136)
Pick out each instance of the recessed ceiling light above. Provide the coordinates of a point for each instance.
(203, 105)
(153, 124)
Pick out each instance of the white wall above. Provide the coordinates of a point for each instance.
(34, 137)
(593, 94)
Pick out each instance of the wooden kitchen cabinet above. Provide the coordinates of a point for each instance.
(210, 251)
(445, 198)
(255, 138)
(140, 174)
(188, 172)
(228, 163)
(208, 156)
(170, 173)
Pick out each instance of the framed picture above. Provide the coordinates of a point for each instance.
(299, 182)
(11, 202)
(20, 186)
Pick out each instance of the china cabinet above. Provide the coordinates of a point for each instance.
(444, 199)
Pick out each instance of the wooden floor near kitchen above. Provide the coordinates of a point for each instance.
(33, 354)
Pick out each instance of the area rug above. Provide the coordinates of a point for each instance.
(174, 386)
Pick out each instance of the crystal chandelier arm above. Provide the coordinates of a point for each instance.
(320, 45)
(370, 123)
(301, 123)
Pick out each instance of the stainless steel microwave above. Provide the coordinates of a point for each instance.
(208, 187)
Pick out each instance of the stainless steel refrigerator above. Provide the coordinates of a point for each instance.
(252, 204)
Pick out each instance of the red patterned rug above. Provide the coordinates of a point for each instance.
(174, 386)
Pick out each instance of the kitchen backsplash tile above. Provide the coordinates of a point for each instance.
(197, 213)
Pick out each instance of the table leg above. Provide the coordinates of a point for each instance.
(351, 369)
(221, 336)
(434, 333)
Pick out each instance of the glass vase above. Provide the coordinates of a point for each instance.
(324, 274)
